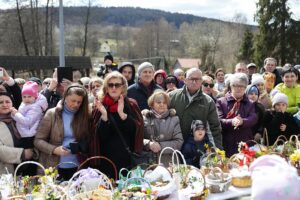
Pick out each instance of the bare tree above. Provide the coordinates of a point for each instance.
(22, 28)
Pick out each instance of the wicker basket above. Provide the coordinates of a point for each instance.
(241, 182)
(217, 181)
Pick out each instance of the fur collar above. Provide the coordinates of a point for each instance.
(148, 113)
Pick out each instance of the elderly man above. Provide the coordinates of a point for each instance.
(241, 68)
(191, 104)
(145, 85)
(270, 66)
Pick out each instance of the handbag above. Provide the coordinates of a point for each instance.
(144, 157)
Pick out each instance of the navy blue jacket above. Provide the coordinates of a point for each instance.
(193, 150)
(141, 94)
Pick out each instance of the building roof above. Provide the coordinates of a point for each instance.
(43, 62)
(188, 62)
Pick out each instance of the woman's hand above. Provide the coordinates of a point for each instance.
(13, 111)
(5, 76)
(282, 127)
(102, 109)
(121, 113)
(28, 153)
(61, 151)
(155, 147)
(53, 84)
(237, 121)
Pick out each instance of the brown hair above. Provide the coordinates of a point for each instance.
(80, 123)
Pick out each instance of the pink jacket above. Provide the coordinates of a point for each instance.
(30, 115)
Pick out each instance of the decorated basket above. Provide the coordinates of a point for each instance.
(240, 170)
(217, 181)
(135, 189)
(161, 180)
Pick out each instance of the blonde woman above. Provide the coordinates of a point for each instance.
(116, 117)
(162, 128)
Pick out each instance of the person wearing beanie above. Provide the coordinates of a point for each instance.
(108, 66)
(28, 116)
(127, 69)
(171, 83)
(179, 74)
(108, 59)
(278, 121)
(160, 77)
(264, 98)
(197, 144)
(38, 81)
(145, 85)
(252, 92)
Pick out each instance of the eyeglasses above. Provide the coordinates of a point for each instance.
(116, 85)
(194, 79)
(211, 85)
(170, 81)
(239, 86)
(96, 86)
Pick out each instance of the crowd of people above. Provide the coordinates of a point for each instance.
(127, 110)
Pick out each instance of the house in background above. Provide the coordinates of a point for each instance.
(187, 63)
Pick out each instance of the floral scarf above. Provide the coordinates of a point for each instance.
(234, 110)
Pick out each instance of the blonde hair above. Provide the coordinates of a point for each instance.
(111, 75)
(159, 93)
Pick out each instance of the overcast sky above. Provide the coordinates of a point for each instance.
(218, 9)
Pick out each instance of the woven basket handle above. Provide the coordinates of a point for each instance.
(266, 137)
(25, 163)
(153, 167)
(162, 151)
(142, 180)
(103, 158)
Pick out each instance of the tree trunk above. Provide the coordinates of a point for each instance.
(51, 29)
(86, 29)
(34, 36)
(38, 28)
(46, 28)
(22, 29)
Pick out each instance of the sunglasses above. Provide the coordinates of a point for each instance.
(207, 84)
(170, 81)
(46, 83)
(116, 85)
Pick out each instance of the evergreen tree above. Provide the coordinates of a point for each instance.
(246, 51)
(274, 19)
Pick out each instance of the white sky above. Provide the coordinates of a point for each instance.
(218, 9)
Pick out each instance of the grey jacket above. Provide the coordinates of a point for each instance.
(202, 107)
(165, 130)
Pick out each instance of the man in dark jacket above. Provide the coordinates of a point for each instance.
(128, 70)
(191, 104)
(270, 66)
(145, 86)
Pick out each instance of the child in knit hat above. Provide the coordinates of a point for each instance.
(253, 94)
(278, 121)
(197, 143)
(264, 98)
(30, 111)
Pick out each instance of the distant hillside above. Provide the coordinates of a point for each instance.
(128, 16)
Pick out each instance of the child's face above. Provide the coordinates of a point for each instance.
(261, 87)
(280, 107)
(27, 99)
(199, 134)
(252, 97)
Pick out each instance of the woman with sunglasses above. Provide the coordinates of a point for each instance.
(208, 87)
(119, 124)
(171, 83)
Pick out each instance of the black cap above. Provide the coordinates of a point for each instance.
(108, 57)
(35, 79)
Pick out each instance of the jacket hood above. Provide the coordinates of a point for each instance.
(149, 113)
(128, 64)
(42, 102)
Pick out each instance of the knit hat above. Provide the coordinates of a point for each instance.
(177, 72)
(279, 98)
(257, 79)
(252, 89)
(108, 57)
(162, 72)
(30, 88)
(196, 124)
(143, 66)
(35, 79)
